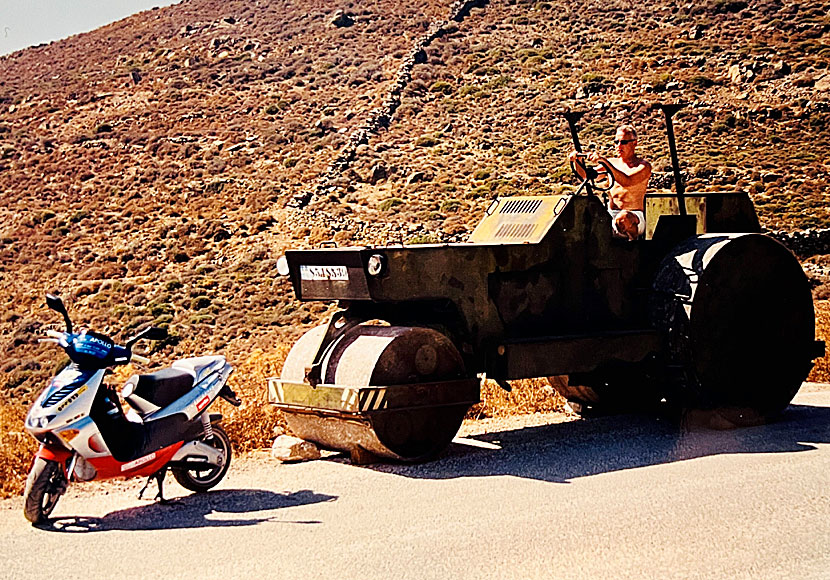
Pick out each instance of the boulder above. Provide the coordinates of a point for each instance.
(804, 81)
(288, 449)
(417, 177)
(379, 173)
(341, 19)
(735, 74)
(781, 69)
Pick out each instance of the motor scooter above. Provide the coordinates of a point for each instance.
(86, 435)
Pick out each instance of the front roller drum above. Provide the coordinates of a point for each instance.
(394, 392)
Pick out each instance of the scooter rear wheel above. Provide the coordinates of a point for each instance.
(44, 486)
(201, 480)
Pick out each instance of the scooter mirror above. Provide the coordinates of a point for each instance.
(155, 333)
(56, 304)
(150, 333)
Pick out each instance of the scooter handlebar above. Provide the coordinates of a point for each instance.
(53, 333)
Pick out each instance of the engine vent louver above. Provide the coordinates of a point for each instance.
(521, 206)
(509, 230)
(58, 395)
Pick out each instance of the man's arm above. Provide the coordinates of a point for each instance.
(634, 176)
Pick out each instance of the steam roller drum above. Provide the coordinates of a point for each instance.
(737, 312)
(396, 392)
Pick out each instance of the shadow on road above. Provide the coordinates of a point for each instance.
(195, 511)
(565, 451)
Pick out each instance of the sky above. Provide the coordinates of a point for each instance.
(25, 23)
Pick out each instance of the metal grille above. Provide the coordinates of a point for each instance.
(58, 395)
(514, 230)
(520, 206)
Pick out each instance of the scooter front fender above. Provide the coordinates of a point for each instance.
(53, 453)
(56, 454)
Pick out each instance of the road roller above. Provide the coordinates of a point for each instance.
(704, 311)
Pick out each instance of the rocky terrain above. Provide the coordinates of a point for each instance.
(153, 170)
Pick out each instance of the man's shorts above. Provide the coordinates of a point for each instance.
(641, 216)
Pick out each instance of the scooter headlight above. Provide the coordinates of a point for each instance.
(282, 266)
(40, 422)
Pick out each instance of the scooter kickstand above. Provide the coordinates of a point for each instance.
(159, 477)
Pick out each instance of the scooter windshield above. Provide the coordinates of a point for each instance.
(90, 349)
(65, 383)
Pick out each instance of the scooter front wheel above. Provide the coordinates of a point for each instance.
(201, 480)
(45, 484)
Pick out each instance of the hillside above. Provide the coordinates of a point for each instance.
(153, 170)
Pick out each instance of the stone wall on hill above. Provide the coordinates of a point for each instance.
(380, 117)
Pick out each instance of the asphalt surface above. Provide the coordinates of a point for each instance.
(613, 497)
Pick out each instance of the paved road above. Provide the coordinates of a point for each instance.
(621, 497)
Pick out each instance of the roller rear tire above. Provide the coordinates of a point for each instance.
(737, 313)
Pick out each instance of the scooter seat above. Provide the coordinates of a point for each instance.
(151, 392)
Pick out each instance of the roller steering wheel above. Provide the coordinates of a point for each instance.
(592, 174)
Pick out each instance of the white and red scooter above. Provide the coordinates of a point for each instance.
(85, 434)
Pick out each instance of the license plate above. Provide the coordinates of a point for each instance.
(324, 273)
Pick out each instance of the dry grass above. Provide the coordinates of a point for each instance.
(821, 370)
(16, 450)
(254, 424)
(527, 396)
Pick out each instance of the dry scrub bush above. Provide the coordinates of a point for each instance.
(16, 450)
(254, 424)
(821, 370)
(527, 396)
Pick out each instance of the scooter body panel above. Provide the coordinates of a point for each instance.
(211, 374)
(107, 467)
(52, 453)
(67, 398)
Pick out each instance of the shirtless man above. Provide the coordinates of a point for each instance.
(626, 200)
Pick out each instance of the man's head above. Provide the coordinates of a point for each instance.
(625, 141)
